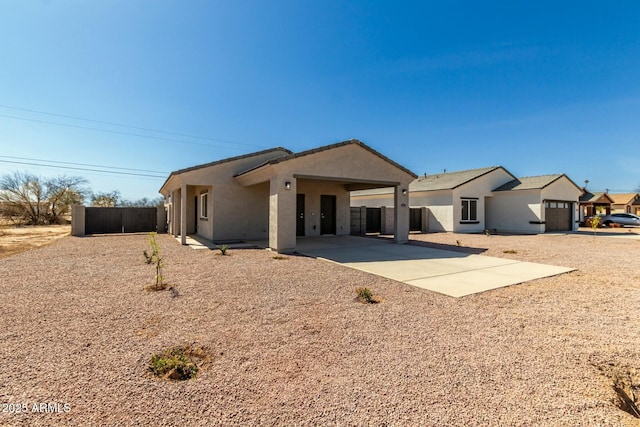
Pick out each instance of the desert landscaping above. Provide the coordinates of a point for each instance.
(285, 341)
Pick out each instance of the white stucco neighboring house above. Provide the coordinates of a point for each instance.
(280, 195)
(474, 200)
(455, 200)
(535, 204)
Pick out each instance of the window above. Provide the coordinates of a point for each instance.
(204, 198)
(469, 210)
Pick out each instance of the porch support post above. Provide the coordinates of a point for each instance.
(282, 213)
(183, 214)
(424, 212)
(401, 214)
(175, 202)
(363, 220)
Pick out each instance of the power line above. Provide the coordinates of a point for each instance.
(118, 132)
(128, 126)
(83, 169)
(84, 164)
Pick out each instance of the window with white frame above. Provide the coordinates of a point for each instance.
(204, 199)
(469, 210)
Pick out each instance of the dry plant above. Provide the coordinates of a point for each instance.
(155, 258)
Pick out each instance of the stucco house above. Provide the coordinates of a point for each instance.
(279, 195)
(455, 200)
(535, 204)
(593, 203)
(474, 200)
(625, 203)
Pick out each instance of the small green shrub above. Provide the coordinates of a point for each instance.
(223, 249)
(155, 258)
(175, 363)
(595, 223)
(366, 296)
(510, 251)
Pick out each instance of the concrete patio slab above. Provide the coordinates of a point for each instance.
(448, 272)
(196, 242)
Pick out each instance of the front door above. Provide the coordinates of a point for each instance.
(327, 214)
(300, 215)
(195, 214)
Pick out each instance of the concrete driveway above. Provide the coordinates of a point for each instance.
(447, 272)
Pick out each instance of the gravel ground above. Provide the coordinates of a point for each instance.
(290, 345)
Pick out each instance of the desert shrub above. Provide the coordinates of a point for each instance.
(279, 257)
(626, 384)
(595, 223)
(366, 296)
(155, 258)
(174, 363)
(510, 251)
(223, 249)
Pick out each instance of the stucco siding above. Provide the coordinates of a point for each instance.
(440, 208)
(561, 190)
(349, 161)
(204, 225)
(514, 211)
(564, 190)
(312, 191)
(375, 200)
(240, 212)
(254, 196)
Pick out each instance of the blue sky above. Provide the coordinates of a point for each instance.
(537, 87)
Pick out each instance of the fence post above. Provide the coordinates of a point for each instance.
(77, 220)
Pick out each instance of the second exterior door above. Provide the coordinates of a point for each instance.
(327, 214)
(300, 215)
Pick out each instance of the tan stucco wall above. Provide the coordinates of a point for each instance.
(374, 200)
(331, 171)
(235, 212)
(350, 162)
(312, 191)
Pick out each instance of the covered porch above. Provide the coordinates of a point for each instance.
(281, 196)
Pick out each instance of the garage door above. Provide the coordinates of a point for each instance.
(558, 215)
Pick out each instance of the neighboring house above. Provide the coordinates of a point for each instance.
(594, 203)
(535, 204)
(625, 203)
(488, 198)
(279, 195)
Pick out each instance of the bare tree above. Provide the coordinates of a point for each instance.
(106, 200)
(144, 203)
(34, 200)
